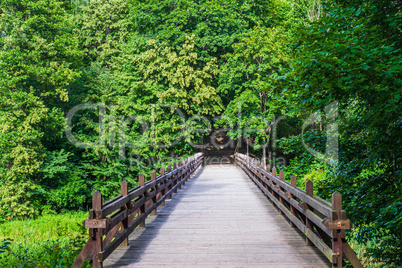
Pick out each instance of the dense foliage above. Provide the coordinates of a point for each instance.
(50, 241)
(96, 91)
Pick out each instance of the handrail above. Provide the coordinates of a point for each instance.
(110, 223)
(324, 224)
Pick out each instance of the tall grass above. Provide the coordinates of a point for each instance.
(44, 228)
(48, 241)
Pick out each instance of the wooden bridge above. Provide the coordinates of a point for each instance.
(220, 218)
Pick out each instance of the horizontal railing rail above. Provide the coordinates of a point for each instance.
(323, 223)
(110, 223)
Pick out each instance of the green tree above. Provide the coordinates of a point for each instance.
(352, 56)
(250, 75)
(159, 82)
(102, 26)
(39, 58)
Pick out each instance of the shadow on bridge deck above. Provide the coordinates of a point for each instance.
(218, 219)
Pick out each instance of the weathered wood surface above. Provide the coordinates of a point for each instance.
(218, 219)
(322, 222)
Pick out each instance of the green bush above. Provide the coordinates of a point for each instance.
(376, 247)
(15, 199)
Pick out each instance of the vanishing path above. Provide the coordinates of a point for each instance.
(218, 219)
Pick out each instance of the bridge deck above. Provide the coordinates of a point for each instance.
(218, 219)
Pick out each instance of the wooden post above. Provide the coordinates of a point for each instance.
(97, 243)
(309, 188)
(309, 224)
(293, 181)
(266, 185)
(154, 199)
(185, 172)
(124, 192)
(141, 182)
(282, 175)
(179, 177)
(336, 234)
(162, 172)
(175, 177)
(171, 179)
(274, 171)
(268, 168)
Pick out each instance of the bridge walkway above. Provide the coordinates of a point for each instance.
(218, 219)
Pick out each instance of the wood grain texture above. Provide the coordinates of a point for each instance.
(218, 219)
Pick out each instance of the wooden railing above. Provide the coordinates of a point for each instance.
(324, 224)
(111, 223)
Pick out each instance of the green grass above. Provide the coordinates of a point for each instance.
(48, 241)
(44, 228)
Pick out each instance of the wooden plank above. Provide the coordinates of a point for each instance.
(171, 250)
(95, 223)
(309, 234)
(302, 207)
(351, 255)
(204, 226)
(337, 224)
(111, 234)
(82, 257)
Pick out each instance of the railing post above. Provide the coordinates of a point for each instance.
(185, 171)
(336, 234)
(188, 169)
(154, 199)
(274, 171)
(124, 192)
(282, 178)
(141, 182)
(162, 172)
(171, 180)
(293, 183)
(282, 175)
(97, 234)
(309, 224)
(176, 176)
(179, 176)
